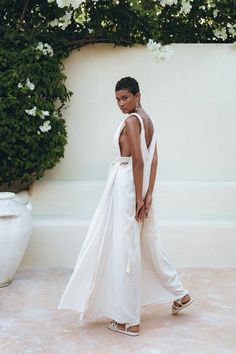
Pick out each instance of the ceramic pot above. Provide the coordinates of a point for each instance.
(15, 232)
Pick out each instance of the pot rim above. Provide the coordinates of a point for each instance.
(7, 195)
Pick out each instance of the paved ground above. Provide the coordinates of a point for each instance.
(31, 323)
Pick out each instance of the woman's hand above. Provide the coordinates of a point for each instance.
(147, 203)
(140, 210)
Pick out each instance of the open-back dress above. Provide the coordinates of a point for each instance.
(121, 265)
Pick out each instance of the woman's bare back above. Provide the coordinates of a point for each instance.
(149, 129)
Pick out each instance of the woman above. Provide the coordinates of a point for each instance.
(121, 266)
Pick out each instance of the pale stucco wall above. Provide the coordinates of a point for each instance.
(191, 97)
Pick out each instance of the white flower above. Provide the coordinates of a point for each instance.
(215, 12)
(45, 127)
(232, 29)
(168, 2)
(54, 23)
(186, 6)
(32, 111)
(45, 48)
(39, 46)
(220, 33)
(29, 84)
(158, 51)
(63, 3)
(63, 21)
(210, 3)
(43, 114)
(74, 3)
(48, 49)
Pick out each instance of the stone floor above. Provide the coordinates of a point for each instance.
(31, 323)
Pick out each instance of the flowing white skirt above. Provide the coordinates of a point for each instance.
(121, 265)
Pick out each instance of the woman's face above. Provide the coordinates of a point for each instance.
(127, 101)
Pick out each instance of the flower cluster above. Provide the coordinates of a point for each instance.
(216, 12)
(74, 3)
(62, 21)
(43, 114)
(45, 127)
(168, 2)
(185, 6)
(34, 112)
(158, 51)
(45, 48)
(220, 33)
(232, 29)
(28, 85)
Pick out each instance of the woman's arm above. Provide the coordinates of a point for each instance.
(153, 172)
(148, 197)
(133, 128)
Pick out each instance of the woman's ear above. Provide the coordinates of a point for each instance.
(138, 97)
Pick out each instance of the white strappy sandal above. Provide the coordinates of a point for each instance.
(113, 325)
(176, 309)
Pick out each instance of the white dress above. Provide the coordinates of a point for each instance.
(121, 265)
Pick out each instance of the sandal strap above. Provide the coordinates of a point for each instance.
(127, 325)
(131, 324)
(180, 303)
(114, 324)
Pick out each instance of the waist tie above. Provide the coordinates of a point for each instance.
(120, 159)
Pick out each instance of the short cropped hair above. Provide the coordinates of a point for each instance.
(128, 83)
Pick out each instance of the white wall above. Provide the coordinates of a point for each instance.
(191, 97)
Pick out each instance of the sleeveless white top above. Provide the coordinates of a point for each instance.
(147, 152)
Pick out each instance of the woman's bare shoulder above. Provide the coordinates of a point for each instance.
(132, 121)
